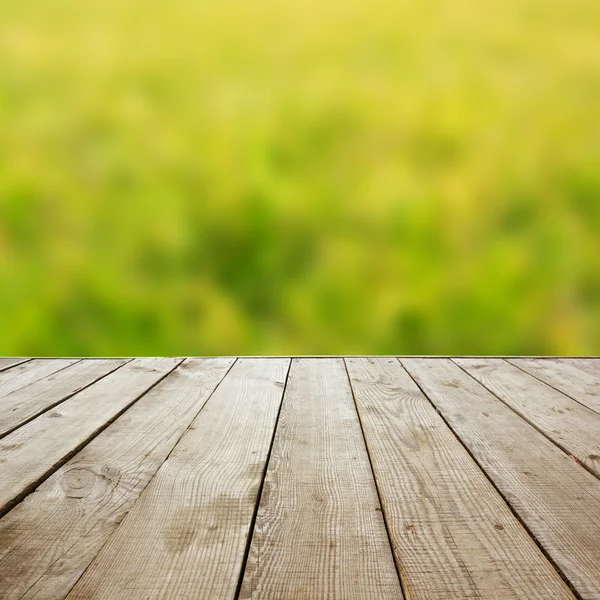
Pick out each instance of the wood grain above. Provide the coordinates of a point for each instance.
(69, 517)
(575, 380)
(444, 516)
(186, 535)
(143, 491)
(319, 531)
(557, 499)
(29, 454)
(24, 404)
(7, 363)
(572, 426)
(25, 374)
(589, 365)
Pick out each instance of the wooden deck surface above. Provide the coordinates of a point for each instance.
(300, 478)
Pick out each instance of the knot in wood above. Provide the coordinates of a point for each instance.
(80, 482)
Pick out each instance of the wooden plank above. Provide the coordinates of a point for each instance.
(7, 363)
(186, 535)
(25, 374)
(557, 499)
(589, 365)
(453, 535)
(319, 531)
(70, 516)
(574, 427)
(26, 403)
(573, 381)
(33, 451)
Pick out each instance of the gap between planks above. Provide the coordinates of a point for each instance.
(105, 478)
(25, 404)
(523, 465)
(266, 466)
(564, 421)
(197, 547)
(319, 532)
(583, 386)
(458, 527)
(8, 363)
(34, 451)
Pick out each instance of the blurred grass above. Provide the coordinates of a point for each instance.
(364, 176)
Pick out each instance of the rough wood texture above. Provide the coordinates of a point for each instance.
(589, 365)
(572, 426)
(128, 480)
(556, 498)
(70, 516)
(186, 535)
(444, 516)
(27, 373)
(33, 451)
(319, 531)
(7, 363)
(26, 403)
(575, 380)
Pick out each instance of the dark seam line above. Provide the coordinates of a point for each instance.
(112, 420)
(16, 364)
(509, 361)
(492, 482)
(76, 361)
(383, 513)
(157, 470)
(66, 457)
(238, 588)
(555, 442)
(59, 558)
(45, 409)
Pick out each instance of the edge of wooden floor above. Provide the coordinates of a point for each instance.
(441, 356)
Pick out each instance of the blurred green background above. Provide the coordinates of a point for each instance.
(356, 176)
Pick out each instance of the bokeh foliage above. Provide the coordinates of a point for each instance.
(349, 176)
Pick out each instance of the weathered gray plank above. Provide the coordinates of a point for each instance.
(26, 403)
(572, 426)
(556, 498)
(25, 374)
(319, 531)
(589, 365)
(576, 382)
(33, 451)
(186, 535)
(70, 516)
(7, 363)
(452, 533)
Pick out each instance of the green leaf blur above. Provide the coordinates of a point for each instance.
(271, 177)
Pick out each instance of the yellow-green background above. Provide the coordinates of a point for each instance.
(275, 176)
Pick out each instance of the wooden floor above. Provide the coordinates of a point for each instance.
(317, 478)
